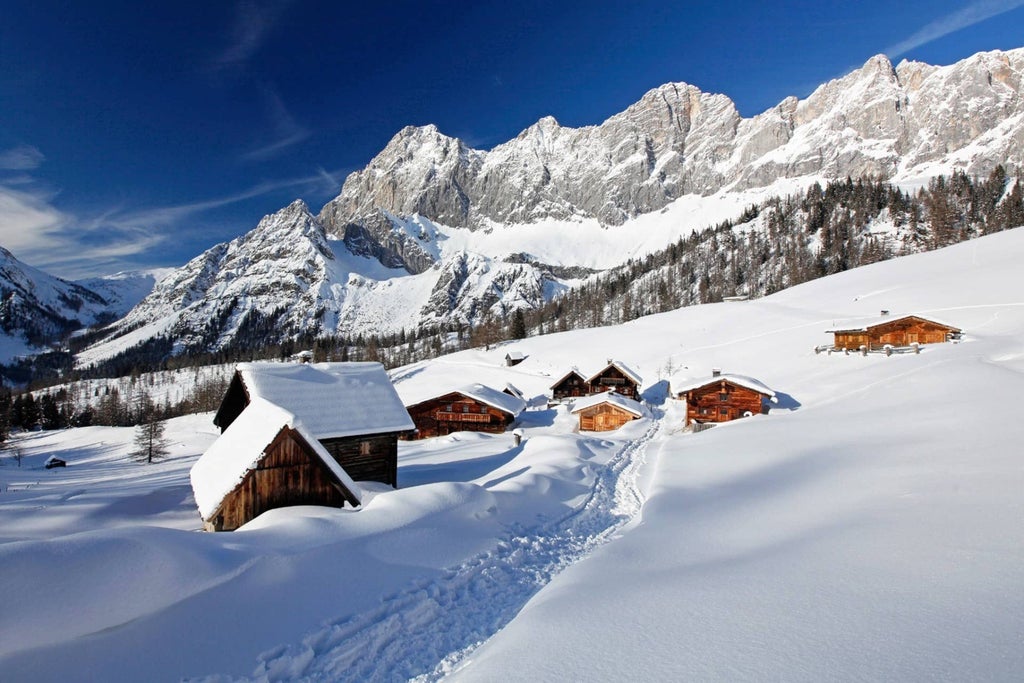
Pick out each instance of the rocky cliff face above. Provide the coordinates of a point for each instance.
(391, 251)
(877, 120)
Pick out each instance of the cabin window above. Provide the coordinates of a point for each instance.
(483, 410)
(364, 448)
(705, 411)
(724, 396)
(465, 407)
(723, 412)
(448, 408)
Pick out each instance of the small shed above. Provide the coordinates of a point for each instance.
(514, 358)
(895, 331)
(618, 376)
(722, 397)
(266, 459)
(472, 408)
(513, 390)
(607, 411)
(54, 461)
(351, 409)
(570, 385)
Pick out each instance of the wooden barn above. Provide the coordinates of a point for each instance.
(571, 385)
(722, 397)
(514, 358)
(351, 409)
(605, 412)
(472, 408)
(616, 375)
(266, 459)
(895, 331)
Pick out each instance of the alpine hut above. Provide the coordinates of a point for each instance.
(721, 397)
(616, 375)
(514, 358)
(894, 331)
(570, 385)
(607, 411)
(266, 459)
(350, 409)
(472, 408)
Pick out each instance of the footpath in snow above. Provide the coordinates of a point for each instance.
(426, 630)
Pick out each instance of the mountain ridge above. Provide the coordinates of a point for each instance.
(434, 231)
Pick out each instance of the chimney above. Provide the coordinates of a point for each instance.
(716, 372)
(610, 361)
(885, 311)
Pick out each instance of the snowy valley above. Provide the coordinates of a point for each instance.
(868, 527)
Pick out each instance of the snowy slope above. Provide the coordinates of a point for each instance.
(868, 528)
(37, 308)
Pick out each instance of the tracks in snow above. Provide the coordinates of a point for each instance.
(425, 631)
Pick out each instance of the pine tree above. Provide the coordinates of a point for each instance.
(150, 443)
(518, 330)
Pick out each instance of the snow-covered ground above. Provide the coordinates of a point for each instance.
(869, 528)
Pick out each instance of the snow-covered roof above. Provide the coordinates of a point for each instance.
(224, 464)
(865, 325)
(623, 368)
(515, 355)
(514, 390)
(331, 399)
(573, 371)
(612, 398)
(512, 405)
(680, 385)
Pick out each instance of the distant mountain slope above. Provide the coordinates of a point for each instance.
(435, 232)
(37, 308)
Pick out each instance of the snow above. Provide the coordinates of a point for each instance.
(865, 325)
(513, 405)
(611, 398)
(224, 464)
(867, 529)
(682, 384)
(331, 399)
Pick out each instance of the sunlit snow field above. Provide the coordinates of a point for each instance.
(868, 528)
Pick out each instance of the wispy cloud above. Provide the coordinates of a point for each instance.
(118, 238)
(287, 132)
(253, 22)
(21, 158)
(973, 13)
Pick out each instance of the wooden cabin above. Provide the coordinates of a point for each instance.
(895, 331)
(722, 397)
(473, 408)
(350, 409)
(514, 358)
(617, 376)
(606, 412)
(265, 460)
(570, 385)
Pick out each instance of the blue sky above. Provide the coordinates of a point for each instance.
(139, 134)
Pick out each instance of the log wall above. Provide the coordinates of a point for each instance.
(722, 401)
(456, 413)
(367, 458)
(612, 378)
(288, 474)
(603, 418)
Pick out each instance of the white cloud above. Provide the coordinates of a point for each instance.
(120, 238)
(973, 13)
(287, 131)
(21, 158)
(253, 22)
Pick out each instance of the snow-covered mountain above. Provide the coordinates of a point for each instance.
(37, 308)
(433, 231)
